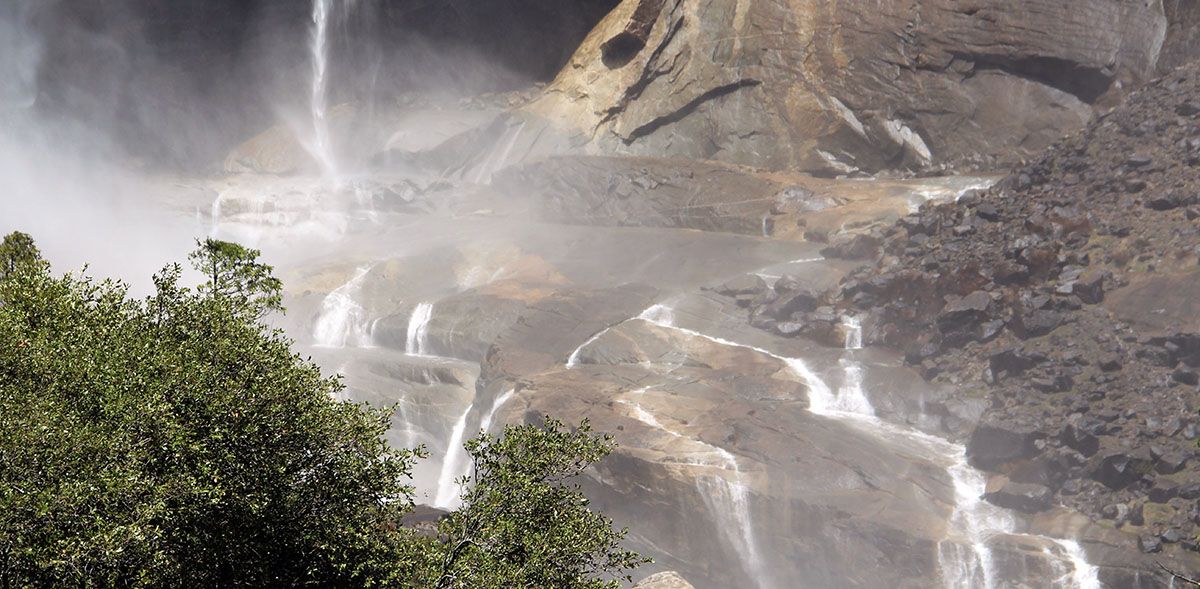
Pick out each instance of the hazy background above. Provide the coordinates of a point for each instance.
(107, 107)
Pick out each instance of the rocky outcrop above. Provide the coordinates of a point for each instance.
(1065, 297)
(665, 580)
(839, 87)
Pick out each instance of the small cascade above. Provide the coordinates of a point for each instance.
(453, 464)
(416, 343)
(660, 315)
(854, 336)
(852, 397)
(728, 500)
(966, 561)
(343, 320)
(573, 359)
(486, 425)
(322, 145)
(1083, 574)
(965, 558)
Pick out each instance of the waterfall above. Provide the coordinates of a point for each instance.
(573, 359)
(970, 565)
(454, 464)
(322, 147)
(452, 468)
(343, 319)
(486, 424)
(852, 397)
(728, 500)
(965, 558)
(853, 327)
(1083, 574)
(418, 327)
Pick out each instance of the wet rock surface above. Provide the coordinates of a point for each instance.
(1065, 298)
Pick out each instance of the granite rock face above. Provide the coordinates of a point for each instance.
(1065, 297)
(839, 87)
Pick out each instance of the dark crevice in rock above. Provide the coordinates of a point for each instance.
(1086, 84)
(687, 109)
(621, 49)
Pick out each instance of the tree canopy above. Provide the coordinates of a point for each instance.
(178, 441)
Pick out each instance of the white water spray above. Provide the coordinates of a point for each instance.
(452, 467)
(486, 424)
(573, 359)
(418, 327)
(343, 320)
(322, 145)
(853, 327)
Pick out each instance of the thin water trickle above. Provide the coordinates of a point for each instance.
(416, 343)
(486, 425)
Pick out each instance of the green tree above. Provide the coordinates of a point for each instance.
(18, 251)
(523, 523)
(235, 275)
(176, 442)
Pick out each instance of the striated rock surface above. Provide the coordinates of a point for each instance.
(839, 87)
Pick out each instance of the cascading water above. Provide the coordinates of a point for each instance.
(452, 467)
(965, 558)
(418, 327)
(486, 424)
(343, 320)
(853, 327)
(573, 359)
(852, 398)
(322, 145)
(728, 500)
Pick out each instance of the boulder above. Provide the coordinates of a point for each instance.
(1117, 470)
(961, 320)
(664, 580)
(748, 284)
(1037, 323)
(1024, 497)
(993, 444)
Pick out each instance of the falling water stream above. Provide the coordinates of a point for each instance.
(322, 145)
(964, 556)
(452, 465)
(728, 500)
(416, 343)
(343, 320)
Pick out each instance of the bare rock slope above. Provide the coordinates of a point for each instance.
(841, 86)
(1067, 298)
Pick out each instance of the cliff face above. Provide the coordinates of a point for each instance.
(839, 86)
